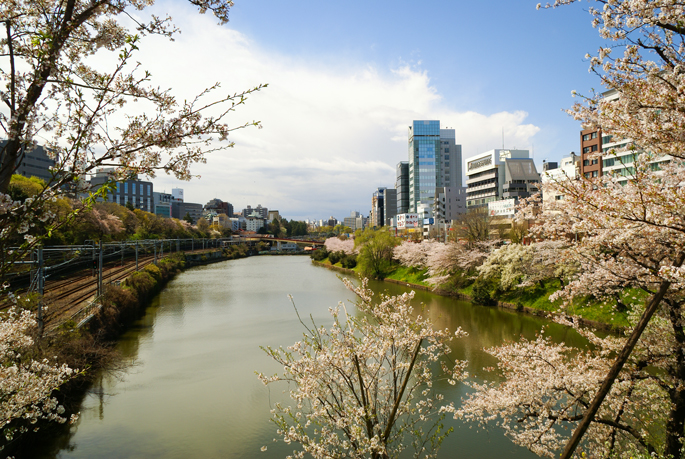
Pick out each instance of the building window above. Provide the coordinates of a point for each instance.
(594, 135)
(587, 175)
(133, 188)
(594, 161)
(594, 148)
(148, 190)
(586, 162)
(126, 189)
(586, 137)
(594, 173)
(586, 149)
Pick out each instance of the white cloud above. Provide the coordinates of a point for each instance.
(331, 135)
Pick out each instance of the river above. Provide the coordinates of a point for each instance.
(189, 389)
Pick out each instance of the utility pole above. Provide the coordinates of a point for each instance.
(100, 271)
(41, 289)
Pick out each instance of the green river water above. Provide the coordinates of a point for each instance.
(189, 389)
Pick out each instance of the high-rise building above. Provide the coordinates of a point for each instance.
(383, 206)
(434, 161)
(402, 187)
(450, 157)
(424, 162)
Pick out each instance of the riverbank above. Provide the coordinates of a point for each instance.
(91, 346)
(531, 304)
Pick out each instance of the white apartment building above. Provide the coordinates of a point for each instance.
(569, 169)
(499, 174)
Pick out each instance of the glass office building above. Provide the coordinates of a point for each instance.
(424, 162)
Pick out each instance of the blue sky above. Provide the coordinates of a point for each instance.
(347, 78)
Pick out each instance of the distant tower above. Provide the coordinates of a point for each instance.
(434, 161)
(402, 187)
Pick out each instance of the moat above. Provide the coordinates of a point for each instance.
(189, 387)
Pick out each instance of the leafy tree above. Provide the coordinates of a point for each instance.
(202, 225)
(375, 249)
(22, 187)
(364, 387)
(298, 228)
(275, 227)
(188, 218)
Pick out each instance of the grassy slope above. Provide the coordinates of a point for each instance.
(533, 297)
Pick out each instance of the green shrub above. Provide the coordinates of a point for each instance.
(142, 283)
(481, 292)
(349, 261)
(154, 271)
(320, 254)
(336, 257)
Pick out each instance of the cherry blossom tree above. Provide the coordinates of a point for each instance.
(335, 244)
(517, 265)
(363, 387)
(414, 254)
(507, 265)
(631, 234)
(26, 384)
(547, 386)
(447, 259)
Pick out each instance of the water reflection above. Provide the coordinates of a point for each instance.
(193, 393)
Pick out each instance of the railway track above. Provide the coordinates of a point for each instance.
(68, 300)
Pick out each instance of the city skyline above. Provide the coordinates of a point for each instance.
(338, 104)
